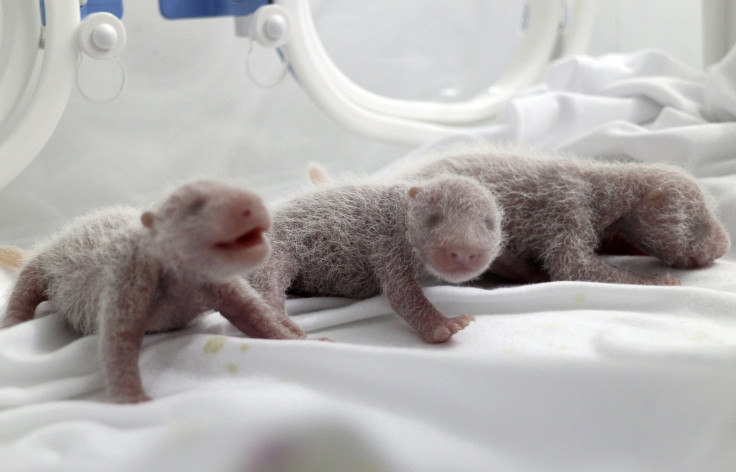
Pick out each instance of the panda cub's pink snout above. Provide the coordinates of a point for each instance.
(247, 222)
(458, 263)
(462, 257)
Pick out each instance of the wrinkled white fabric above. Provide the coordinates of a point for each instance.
(552, 377)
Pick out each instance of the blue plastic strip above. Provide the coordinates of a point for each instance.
(178, 9)
(93, 6)
(110, 6)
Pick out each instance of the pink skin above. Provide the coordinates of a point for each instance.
(12, 257)
(454, 263)
(359, 240)
(187, 257)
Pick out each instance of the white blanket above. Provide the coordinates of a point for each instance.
(550, 377)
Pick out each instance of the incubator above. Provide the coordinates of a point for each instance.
(103, 105)
(45, 44)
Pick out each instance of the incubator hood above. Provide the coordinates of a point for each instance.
(41, 46)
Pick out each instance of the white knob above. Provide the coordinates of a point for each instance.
(275, 27)
(104, 36)
(269, 26)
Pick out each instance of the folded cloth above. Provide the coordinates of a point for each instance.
(643, 105)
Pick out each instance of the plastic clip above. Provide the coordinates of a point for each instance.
(102, 37)
(269, 26)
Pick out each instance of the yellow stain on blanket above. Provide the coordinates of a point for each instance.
(213, 345)
(232, 369)
(579, 297)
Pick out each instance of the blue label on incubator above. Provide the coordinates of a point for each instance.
(92, 6)
(176, 9)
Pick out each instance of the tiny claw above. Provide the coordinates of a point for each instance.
(441, 334)
(452, 325)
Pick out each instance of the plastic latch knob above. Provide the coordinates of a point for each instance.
(102, 36)
(101, 76)
(268, 26)
(275, 27)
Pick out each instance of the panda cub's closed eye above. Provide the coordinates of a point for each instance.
(433, 220)
(196, 206)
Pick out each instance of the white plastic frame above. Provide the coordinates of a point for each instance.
(415, 122)
(30, 109)
(38, 69)
(28, 133)
(18, 51)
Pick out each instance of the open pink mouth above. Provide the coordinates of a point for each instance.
(247, 240)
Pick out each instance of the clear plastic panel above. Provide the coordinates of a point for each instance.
(444, 51)
(550, 29)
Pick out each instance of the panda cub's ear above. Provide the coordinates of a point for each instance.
(413, 191)
(317, 173)
(147, 219)
(653, 195)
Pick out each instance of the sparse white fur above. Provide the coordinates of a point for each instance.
(357, 238)
(560, 209)
(121, 272)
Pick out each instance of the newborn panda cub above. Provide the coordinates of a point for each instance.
(361, 239)
(121, 273)
(560, 210)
